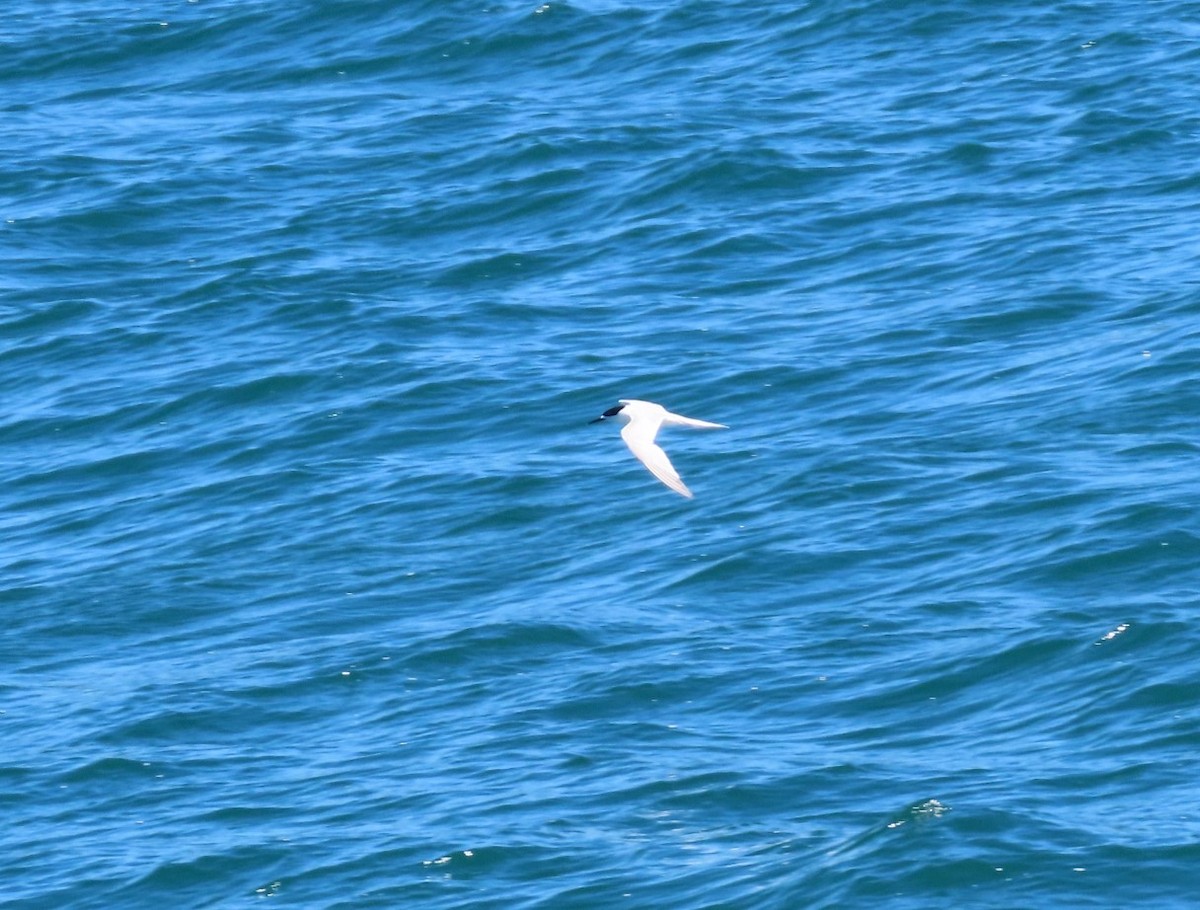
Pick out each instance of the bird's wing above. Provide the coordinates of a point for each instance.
(639, 436)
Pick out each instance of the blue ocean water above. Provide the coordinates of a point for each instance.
(319, 589)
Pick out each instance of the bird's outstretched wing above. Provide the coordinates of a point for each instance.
(639, 436)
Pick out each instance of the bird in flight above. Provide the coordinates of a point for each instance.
(643, 420)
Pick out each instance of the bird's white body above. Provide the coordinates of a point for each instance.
(643, 420)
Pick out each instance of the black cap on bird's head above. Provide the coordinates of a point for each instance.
(611, 412)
